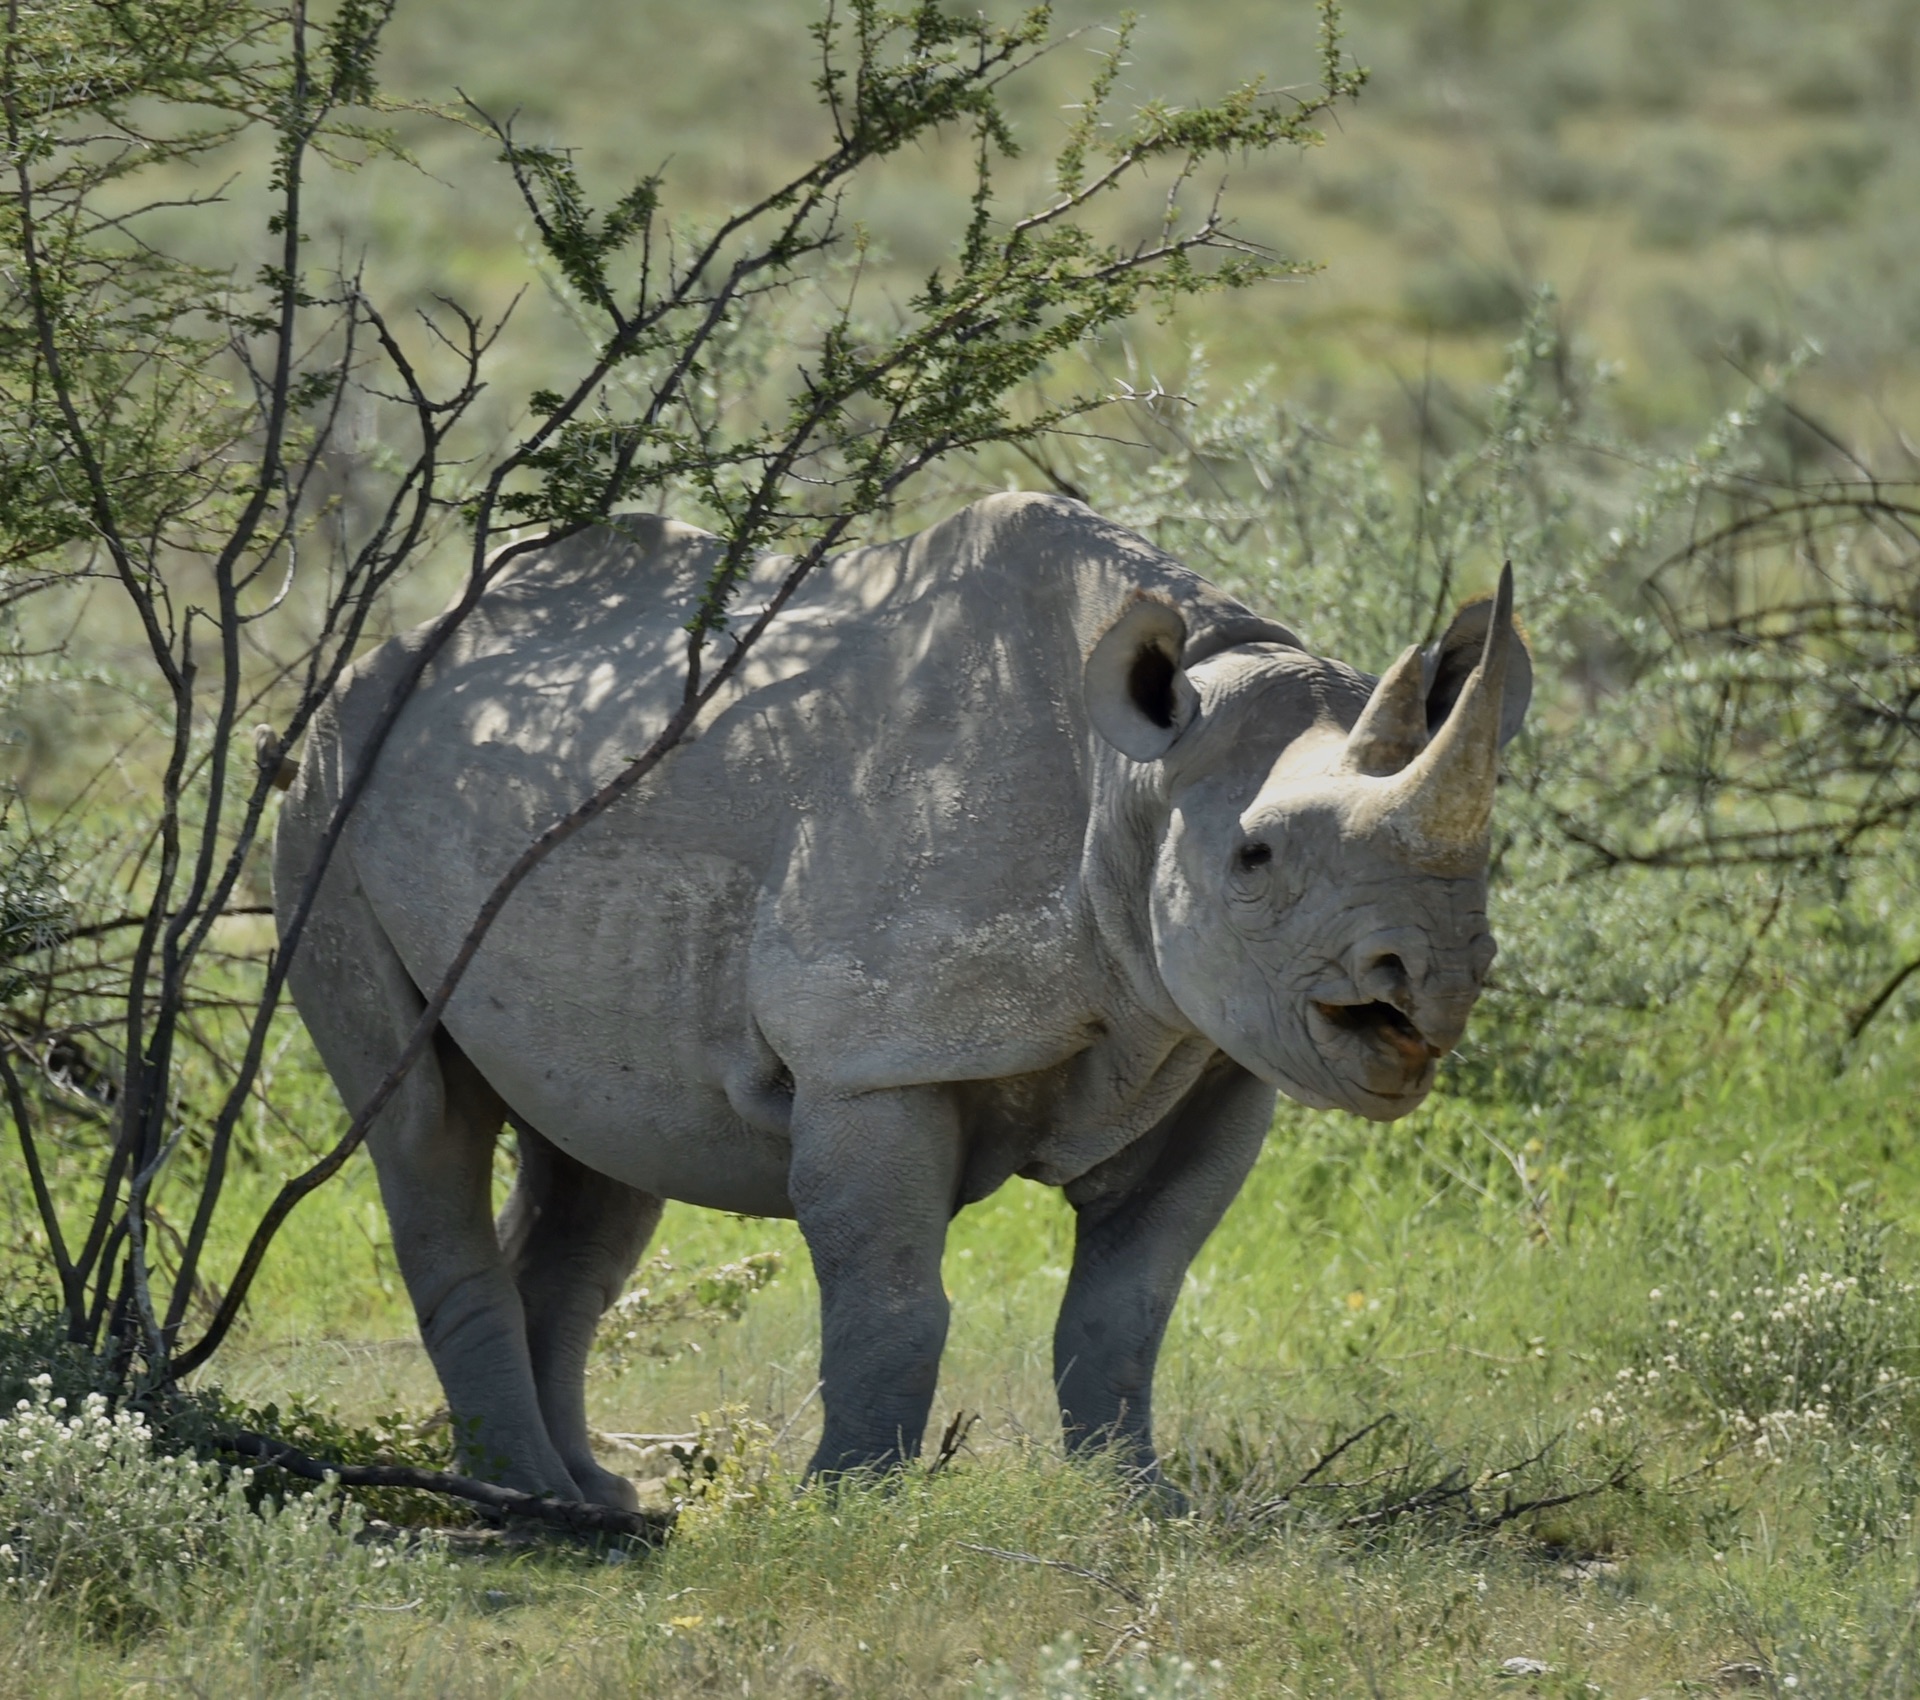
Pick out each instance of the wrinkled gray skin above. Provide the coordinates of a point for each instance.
(1016, 849)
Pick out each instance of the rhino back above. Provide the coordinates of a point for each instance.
(864, 862)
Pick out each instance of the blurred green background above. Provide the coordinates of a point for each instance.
(1710, 185)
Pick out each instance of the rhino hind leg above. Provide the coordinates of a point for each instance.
(432, 1148)
(571, 1238)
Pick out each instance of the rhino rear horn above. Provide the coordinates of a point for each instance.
(1138, 695)
(1443, 800)
(1392, 728)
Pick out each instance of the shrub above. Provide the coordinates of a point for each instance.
(653, 1317)
(36, 1353)
(1455, 297)
(131, 1538)
(1831, 77)
(1817, 188)
(1795, 1348)
(1560, 180)
(1375, 197)
(1682, 198)
(34, 907)
(1786, 1326)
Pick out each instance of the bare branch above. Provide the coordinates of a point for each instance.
(577, 1517)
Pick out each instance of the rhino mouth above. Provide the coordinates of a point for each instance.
(1381, 1024)
(1378, 1052)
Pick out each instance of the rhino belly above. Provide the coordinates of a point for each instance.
(607, 1007)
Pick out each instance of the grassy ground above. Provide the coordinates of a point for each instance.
(1530, 1301)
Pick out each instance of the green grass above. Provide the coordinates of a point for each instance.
(1411, 1272)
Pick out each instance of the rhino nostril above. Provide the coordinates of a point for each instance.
(1386, 975)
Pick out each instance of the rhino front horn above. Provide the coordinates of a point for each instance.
(1443, 799)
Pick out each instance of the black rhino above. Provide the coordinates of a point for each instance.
(1015, 849)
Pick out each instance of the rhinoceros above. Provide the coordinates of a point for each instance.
(1014, 848)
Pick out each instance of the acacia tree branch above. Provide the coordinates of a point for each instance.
(431, 419)
(1862, 1017)
(70, 1289)
(105, 519)
(145, 1104)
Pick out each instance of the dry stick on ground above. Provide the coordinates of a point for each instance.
(576, 1516)
(1457, 1488)
(1132, 1596)
(1273, 1507)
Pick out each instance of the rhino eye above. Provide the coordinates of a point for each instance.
(1255, 855)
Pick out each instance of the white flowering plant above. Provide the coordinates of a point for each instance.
(1791, 1345)
(1794, 1331)
(97, 1517)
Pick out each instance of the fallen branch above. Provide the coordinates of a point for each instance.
(1526, 1507)
(645, 1442)
(1273, 1507)
(1131, 1595)
(1457, 1488)
(575, 1516)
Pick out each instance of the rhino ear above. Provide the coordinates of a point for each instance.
(1138, 695)
(1449, 661)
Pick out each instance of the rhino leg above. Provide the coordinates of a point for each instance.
(571, 1238)
(432, 1148)
(1135, 1235)
(873, 1181)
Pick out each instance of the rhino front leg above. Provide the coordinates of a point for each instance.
(571, 1238)
(1139, 1223)
(873, 1183)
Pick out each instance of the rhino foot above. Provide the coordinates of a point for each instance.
(603, 1487)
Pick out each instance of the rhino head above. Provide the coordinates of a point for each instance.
(1318, 896)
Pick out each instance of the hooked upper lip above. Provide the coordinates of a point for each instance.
(1383, 1023)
